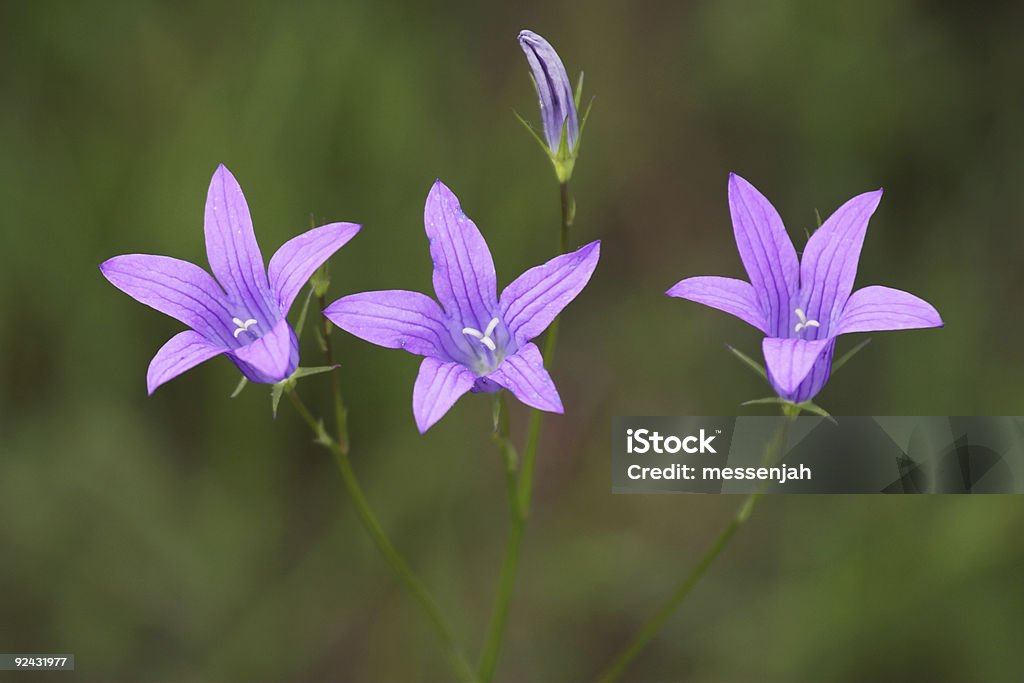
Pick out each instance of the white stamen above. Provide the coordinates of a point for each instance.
(804, 322)
(242, 326)
(485, 336)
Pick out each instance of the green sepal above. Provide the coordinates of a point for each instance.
(533, 132)
(791, 409)
(276, 392)
(302, 314)
(289, 383)
(564, 159)
(583, 124)
(241, 385)
(749, 362)
(849, 354)
(579, 92)
(312, 370)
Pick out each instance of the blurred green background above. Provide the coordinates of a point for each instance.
(189, 537)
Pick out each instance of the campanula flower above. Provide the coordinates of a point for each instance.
(802, 305)
(242, 312)
(474, 340)
(557, 105)
(560, 119)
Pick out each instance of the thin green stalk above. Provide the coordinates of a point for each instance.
(567, 211)
(550, 342)
(686, 586)
(339, 448)
(340, 412)
(520, 487)
(510, 564)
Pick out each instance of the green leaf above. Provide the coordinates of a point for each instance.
(849, 354)
(241, 385)
(579, 91)
(499, 413)
(322, 436)
(321, 280)
(749, 362)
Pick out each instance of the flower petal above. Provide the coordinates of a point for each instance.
(880, 308)
(182, 352)
(271, 358)
(176, 288)
(232, 249)
(817, 377)
(766, 251)
(535, 298)
(557, 102)
(790, 361)
(394, 318)
(438, 386)
(829, 264)
(463, 268)
(293, 264)
(726, 294)
(524, 375)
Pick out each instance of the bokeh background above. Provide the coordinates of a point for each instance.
(189, 537)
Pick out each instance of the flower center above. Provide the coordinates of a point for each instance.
(483, 337)
(804, 322)
(241, 326)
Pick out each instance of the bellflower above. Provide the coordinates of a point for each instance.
(242, 312)
(561, 121)
(474, 340)
(802, 305)
(557, 105)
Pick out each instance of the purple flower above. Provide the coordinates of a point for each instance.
(802, 305)
(557, 104)
(475, 340)
(242, 312)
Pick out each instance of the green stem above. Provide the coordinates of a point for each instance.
(686, 586)
(401, 569)
(520, 488)
(550, 342)
(563, 235)
(510, 564)
(340, 412)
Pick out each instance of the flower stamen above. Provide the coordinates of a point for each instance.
(485, 336)
(804, 322)
(242, 326)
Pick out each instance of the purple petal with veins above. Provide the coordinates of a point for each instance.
(557, 101)
(472, 341)
(240, 313)
(803, 304)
